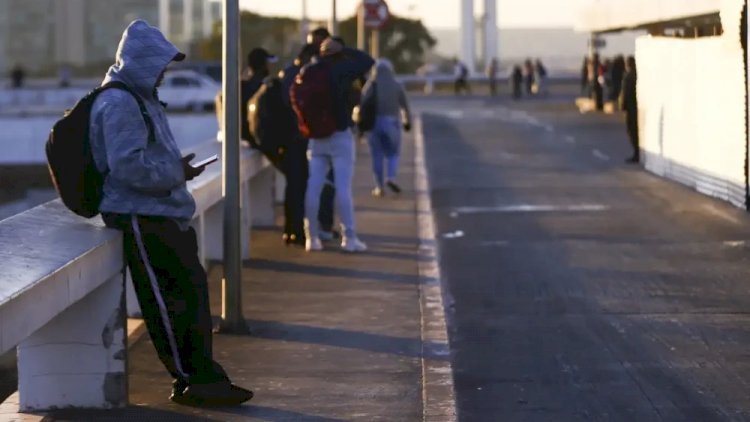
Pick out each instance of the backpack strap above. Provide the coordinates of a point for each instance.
(144, 111)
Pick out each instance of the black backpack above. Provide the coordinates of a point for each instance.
(70, 160)
(272, 122)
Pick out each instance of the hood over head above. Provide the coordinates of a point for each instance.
(383, 71)
(143, 54)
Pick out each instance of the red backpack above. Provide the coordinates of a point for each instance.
(312, 100)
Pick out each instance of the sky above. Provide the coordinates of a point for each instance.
(437, 13)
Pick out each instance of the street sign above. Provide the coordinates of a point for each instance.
(376, 13)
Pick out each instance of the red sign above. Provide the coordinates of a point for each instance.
(376, 13)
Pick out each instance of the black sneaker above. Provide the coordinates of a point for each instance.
(215, 394)
(393, 186)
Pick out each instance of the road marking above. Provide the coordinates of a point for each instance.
(734, 243)
(569, 139)
(490, 243)
(454, 235)
(518, 208)
(600, 155)
(438, 393)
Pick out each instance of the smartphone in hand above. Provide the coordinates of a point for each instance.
(206, 162)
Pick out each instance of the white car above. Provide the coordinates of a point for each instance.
(188, 90)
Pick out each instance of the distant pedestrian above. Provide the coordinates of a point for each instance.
(528, 75)
(17, 76)
(516, 79)
(596, 81)
(385, 138)
(585, 76)
(145, 196)
(617, 74)
(540, 78)
(630, 105)
(492, 70)
(461, 73)
(320, 97)
(65, 76)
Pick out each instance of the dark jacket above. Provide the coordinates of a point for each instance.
(142, 177)
(355, 64)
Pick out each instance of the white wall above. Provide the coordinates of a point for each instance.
(691, 95)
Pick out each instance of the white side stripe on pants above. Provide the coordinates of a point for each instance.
(157, 294)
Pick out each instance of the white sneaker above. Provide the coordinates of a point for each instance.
(313, 244)
(378, 192)
(353, 245)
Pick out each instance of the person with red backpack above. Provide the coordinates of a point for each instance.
(145, 196)
(320, 98)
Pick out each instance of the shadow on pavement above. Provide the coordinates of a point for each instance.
(378, 343)
(349, 274)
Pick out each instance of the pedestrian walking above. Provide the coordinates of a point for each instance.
(629, 101)
(540, 78)
(461, 73)
(618, 73)
(328, 195)
(516, 80)
(528, 75)
(585, 76)
(17, 76)
(390, 103)
(492, 70)
(145, 196)
(320, 98)
(295, 166)
(596, 81)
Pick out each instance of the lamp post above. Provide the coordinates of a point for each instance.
(232, 320)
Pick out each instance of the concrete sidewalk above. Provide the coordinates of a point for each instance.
(334, 336)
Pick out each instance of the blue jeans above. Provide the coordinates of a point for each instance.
(337, 152)
(385, 144)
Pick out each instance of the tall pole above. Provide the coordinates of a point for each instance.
(361, 32)
(304, 23)
(468, 54)
(490, 32)
(375, 43)
(231, 312)
(333, 24)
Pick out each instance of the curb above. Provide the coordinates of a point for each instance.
(438, 396)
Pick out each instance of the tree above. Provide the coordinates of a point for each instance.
(403, 41)
(280, 36)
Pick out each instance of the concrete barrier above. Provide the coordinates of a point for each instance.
(63, 300)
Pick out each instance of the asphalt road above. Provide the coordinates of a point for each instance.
(579, 288)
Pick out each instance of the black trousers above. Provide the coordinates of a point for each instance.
(172, 289)
(295, 167)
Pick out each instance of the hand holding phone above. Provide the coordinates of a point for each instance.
(207, 161)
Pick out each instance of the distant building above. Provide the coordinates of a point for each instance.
(41, 35)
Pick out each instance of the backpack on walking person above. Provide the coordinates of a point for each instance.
(312, 100)
(69, 158)
(272, 122)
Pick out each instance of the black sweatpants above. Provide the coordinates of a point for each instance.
(172, 290)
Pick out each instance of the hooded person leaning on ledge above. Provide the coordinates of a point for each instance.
(146, 197)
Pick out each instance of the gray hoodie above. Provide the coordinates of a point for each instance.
(390, 94)
(142, 178)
